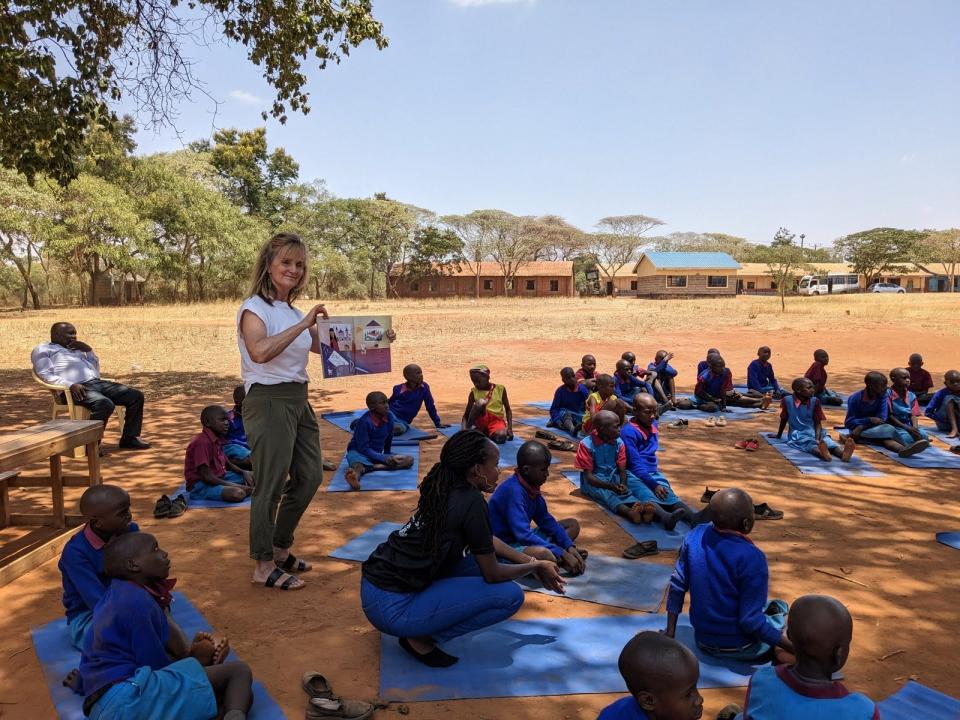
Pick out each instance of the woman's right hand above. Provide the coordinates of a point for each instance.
(311, 317)
(548, 573)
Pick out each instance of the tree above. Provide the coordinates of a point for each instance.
(561, 240)
(940, 247)
(432, 252)
(875, 251)
(25, 217)
(515, 241)
(784, 257)
(619, 240)
(63, 62)
(476, 233)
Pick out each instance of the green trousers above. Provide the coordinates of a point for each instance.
(285, 452)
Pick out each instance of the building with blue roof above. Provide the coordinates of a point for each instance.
(686, 274)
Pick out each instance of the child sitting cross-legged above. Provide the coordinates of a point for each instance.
(868, 419)
(802, 412)
(518, 501)
(903, 405)
(488, 409)
(726, 576)
(820, 629)
(817, 374)
(944, 406)
(369, 448)
(661, 675)
(602, 461)
(569, 403)
(603, 398)
(714, 390)
(209, 473)
(136, 661)
(107, 511)
(626, 383)
(761, 379)
(921, 383)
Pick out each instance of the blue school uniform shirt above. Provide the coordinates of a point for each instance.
(904, 408)
(599, 457)
(129, 631)
(777, 693)
(641, 446)
(81, 568)
(712, 384)
(406, 403)
(626, 389)
(662, 368)
(574, 401)
(513, 505)
(372, 438)
(236, 435)
(802, 417)
(760, 376)
(727, 576)
(860, 408)
(623, 709)
(938, 399)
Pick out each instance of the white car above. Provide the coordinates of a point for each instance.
(885, 288)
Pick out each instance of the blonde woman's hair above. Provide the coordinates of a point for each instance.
(260, 282)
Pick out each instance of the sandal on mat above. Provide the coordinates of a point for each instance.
(564, 445)
(765, 512)
(315, 685)
(293, 565)
(641, 549)
(291, 583)
(545, 435)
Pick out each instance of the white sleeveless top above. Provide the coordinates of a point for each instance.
(291, 364)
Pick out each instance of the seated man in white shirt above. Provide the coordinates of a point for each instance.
(71, 362)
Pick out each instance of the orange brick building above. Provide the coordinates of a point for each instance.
(535, 279)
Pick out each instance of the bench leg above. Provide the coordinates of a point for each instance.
(93, 462)
(4, 504)
(56, 485)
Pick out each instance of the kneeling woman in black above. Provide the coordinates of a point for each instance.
(422, 585)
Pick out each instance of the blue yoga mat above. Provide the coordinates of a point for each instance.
(196, 504)
(540, 404)
(360, 547)
(407, 479)
(917, 702)
(936, 432)
(343, 418)
(666, 539)
(58, 657)
(931, 458)
(950, 539)
(810, 465)
(508, 450)
(542, 423)
(548, 656)
(630, 584)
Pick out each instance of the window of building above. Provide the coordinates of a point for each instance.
(531, 284)
(554, 286)
(488, 284)
(717, 281)
(633, 284)
(415, 286)
(433, 285)
(751, 285)
(676, 281)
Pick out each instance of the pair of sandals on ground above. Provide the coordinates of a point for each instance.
(167, 508)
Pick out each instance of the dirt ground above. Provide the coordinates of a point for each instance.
(878, 532)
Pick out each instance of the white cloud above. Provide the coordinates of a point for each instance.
(245, 97)
(479, 3)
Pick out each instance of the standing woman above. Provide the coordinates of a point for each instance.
(421, 585)
(275, 340)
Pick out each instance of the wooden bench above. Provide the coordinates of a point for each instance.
(47, 441)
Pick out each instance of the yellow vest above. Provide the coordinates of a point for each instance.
(495, 395)
(595, 395)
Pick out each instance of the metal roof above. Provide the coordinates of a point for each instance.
(690, 261)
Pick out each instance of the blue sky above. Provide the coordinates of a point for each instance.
(739, 116)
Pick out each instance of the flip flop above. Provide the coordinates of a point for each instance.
(641, 549)
(765, 512)
(289, 584)
(913, 449)
(293, 565)
(162, 508)
(315, 685)
(721, 421)
(680, 423)
(712, 422)
(564, 445)
(741, 444)
(545, 435)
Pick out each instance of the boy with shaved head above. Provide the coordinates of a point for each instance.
(944, 406)
(726, 576)
(587, 373)
(868, 419)
(661, 675)
(107, 510)
(208, 472)
(821, 629)
(407, 399)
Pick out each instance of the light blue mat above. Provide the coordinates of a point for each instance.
(931, 458)
(629, 584)
(950, 539)
(810, 465)
(343, 418)
(543, 423)
(58, 657)
(666, 539)
(408, 479)
(731, 413)
(548, 656)
(541, 404)
(936, 432)
(197, 504)
(917, 702)
(508, 450)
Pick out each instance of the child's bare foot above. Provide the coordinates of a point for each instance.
(824, 451)
(221, 648)
(670, 522)
(765, 403)
(635, 513)
(352, 477)
(203, 648)
(649, 511)
(72, 680)
(849, 446)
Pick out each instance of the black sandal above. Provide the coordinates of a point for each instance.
(765, 512)
(289, 584)
(293, 565)
(162, 508)
(641, 549)
(178, 506)
(564, 445)
(545, 435)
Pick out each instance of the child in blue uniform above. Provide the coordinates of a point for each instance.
(821, 629)
(944, 406)
(569, 403)
(726, 575)
(136, 661)
(602, 461)
(626, 384)
(803, 413)
(868, 414)
(714, 390)
(407, 399)
(107, 510)
(518, 501)
(236, 446)
(903, 405)
(666, 375)
(704, 364)
(661, 675)
(369, 448)
(761, 379)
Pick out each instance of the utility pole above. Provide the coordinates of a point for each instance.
(802, 236)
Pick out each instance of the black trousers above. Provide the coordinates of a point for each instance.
(103, 396)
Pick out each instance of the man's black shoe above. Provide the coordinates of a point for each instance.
(133, 444)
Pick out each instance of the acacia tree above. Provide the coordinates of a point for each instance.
(476, 232)
(25, 218)
(515, 241)
(64, 62)
(875, 251)
(561, 240)
(619, 240)
(941, 247)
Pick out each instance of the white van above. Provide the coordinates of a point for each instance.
(828, 284)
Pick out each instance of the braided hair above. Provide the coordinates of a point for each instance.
(460, 453)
